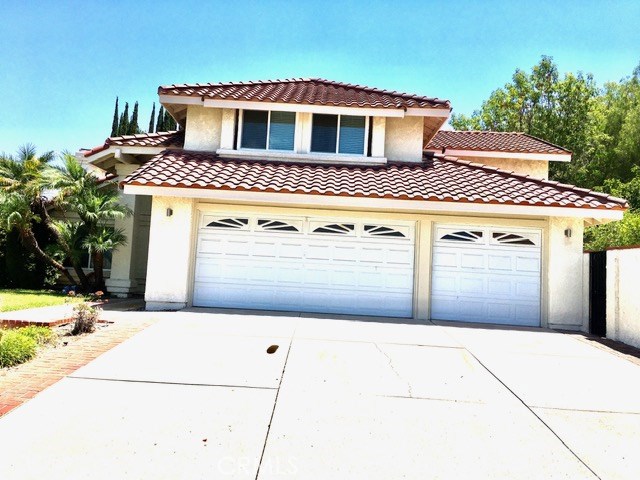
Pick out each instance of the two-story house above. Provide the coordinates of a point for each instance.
(316, 196)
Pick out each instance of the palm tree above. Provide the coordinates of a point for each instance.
(16, 211)
(96, 202)
(99, 242)
(23, 180)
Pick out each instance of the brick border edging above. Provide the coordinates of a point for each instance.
(43, 371)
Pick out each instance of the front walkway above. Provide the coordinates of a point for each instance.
(23, 382)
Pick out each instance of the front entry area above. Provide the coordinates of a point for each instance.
(488, 275)
(305, 264)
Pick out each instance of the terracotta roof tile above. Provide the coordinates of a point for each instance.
(310, 91)
(159, 139)
(493, 142)
(437, 178)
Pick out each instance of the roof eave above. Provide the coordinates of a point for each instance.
(373, 203)
(168, 100)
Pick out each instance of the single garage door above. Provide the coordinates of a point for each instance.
(305, 264)
(487, 275)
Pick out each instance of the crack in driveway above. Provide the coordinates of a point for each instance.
(393, 368)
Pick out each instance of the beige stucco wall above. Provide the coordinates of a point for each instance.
(204, 128)
(565, 275)
(403, 139)
(623, 301)
(170, 253)
(534, 168)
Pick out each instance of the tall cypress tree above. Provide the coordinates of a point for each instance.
(123, 129)
(133, 123)
(116, 121)
(152, 120)
(169, 122)
(160, 122)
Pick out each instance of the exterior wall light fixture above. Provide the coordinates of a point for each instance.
(567, 233)
(170, 212)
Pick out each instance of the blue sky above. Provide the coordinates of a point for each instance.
(63, 63)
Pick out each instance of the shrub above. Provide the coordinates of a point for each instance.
(16, 348)
(42, 335)
(85, 317)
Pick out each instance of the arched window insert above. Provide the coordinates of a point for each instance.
(276, 225)
(512, 239)
(463, 236)
(382, 231)
(229, 223)
(337, 228)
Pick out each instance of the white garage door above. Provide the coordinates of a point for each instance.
(304, 264)
(487, 275)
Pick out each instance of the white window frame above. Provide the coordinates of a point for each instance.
(365, 148)
(241, 128)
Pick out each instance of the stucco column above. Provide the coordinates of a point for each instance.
(122, 282)
(564, 275)
(169, 270)
(423, 270)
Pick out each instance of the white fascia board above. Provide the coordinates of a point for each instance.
(179, 100)
(298, 107)
(553, 157)
(428, 112)
(116, 150)
(328, 201)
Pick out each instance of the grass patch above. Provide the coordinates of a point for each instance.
(16, 348)
(11, 300)
(42, 335)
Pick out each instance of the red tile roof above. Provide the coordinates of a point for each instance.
(437, 178)
(159, 139)
(310, 91)
(493, 142)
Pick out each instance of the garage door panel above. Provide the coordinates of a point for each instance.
(331, 272)
(472, 285)
(477, 275)
(500, 262)
(445, 259)
(472, 261)
(528, 264)
(498, 286)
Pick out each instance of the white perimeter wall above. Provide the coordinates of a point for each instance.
(623, 296)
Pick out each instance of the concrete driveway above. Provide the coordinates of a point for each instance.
(197, 396)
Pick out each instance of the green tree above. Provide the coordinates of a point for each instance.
(116, 121)
(160, 121)
(23, 204)
(123, 128)
(96, 203)
(560, 110)
(169, 123)
(152, 119)
(102, 240)
(133, 123)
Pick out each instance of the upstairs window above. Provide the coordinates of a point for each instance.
(338, 134)
(268, 130)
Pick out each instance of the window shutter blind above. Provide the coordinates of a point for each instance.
(351, 135)
(254, 129)
(282, 130)
(324, 132)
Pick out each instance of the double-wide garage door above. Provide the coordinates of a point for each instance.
(305, 264)
(489, 275)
